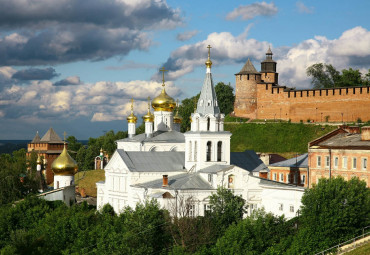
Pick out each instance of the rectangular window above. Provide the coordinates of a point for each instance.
(344, 166)
(207, 208)
(210, 178)
(191, 210)
(295, 178)
(318, 161)
(291, 208)
(287, 178)
(303, 179)
(364, 163)
(275, 176)
(281, 207)
(354, 163)
(327, 161)
(336, 162)
(282, 177)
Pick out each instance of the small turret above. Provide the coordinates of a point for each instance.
(148, 120)
(268, 69)
(177, 119)
(131, 121)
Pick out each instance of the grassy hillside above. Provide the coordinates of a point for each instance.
(274, 137)
(363, 250)
(87, 180)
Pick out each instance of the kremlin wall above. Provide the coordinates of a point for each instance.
(258, 96)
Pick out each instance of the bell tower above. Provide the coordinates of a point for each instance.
(207, 143)
(268, 69)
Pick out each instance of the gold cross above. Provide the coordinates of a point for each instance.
(65, 134)
(209, 51)
(132, 104)
(163, 70)
(148, 103)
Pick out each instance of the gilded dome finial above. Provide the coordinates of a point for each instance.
(132, 118)
(149, 117)
(163, 102)
(64, 164)
(177, 118)
(163, 70)
(209, 62)
(38, 161)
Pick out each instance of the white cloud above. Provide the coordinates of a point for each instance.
(247, 12)
(187, 35)
(302, 8)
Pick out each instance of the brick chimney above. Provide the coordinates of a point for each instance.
(165, 181)
(365, 133)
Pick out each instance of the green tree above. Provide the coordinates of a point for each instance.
(226, 208)
(351, 78)
(186, 108)
(253, 235)
(323, 75)
(225, 97)
(332, 211)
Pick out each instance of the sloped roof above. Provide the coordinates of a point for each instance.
(208, 94)
(300, 161)
(51, 137)
(247, 160)
(186, 181)
(215, 168)
(37, 138)
(272, 183)
(158, 136)
(248, 68)
(153, 161)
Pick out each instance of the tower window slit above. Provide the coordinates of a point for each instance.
(209, 150)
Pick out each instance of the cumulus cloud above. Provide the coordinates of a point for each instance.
(100, 101)
(71, 80)
(247, 12)
(226, 49)
(351, 49)
(302, 8)
(187, 35)
(35, 74)
(59, 31)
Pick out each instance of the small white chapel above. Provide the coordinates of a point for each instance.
(181, 170)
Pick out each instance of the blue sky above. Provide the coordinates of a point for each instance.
(74, 64)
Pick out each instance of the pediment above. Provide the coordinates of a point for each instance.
(116, 164)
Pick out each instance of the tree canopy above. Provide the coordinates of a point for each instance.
(326, 76)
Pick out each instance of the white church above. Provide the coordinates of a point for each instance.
(181, 170)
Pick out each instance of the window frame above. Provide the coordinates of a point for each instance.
(318, 161)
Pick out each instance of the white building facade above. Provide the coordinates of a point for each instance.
(181, 170)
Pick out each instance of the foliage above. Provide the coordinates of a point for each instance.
(274, 137)
(86, 154)
(326, 76)
(73, 146)
(225, 97)
(15, 180)
(332, 212)
(226, 208)
(253, 235)
(187, 107)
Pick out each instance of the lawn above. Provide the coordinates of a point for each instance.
(87, 180)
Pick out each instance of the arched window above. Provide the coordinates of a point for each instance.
(209, 150)
(219, 151)
(195, 151)
(190, 148)
(230, 182)
(208, 123)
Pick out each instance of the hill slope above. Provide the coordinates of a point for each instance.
(274, 137)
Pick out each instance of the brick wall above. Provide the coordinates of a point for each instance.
(340, 104)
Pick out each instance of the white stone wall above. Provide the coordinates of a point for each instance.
(61, 181)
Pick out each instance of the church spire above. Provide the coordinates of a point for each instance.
(207, 103)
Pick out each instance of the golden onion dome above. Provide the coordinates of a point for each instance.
(149, 117)
(163, 102)
(177, 119)
(132, 118)
(64, 164)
